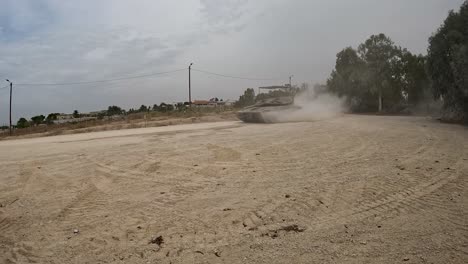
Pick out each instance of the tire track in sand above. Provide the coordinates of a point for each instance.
(407, 200)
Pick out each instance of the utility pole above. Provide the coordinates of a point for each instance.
(290, 84)
(189, 85)
(11, 91)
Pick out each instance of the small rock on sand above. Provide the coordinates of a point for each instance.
(158, 240)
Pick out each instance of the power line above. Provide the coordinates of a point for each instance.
(101, 81)
(237, 77)
(141, 76)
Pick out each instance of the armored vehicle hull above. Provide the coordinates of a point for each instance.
(268, 110)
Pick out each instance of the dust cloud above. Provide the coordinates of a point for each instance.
(310, 106)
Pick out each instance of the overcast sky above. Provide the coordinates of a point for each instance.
(56, 41)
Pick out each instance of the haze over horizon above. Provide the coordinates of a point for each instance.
(55, 41)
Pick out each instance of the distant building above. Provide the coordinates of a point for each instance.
(95, 113)
(63, 116)
(202, 103)
(213, 102)
(68, 118)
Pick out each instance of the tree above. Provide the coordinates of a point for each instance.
(163, 107)
(248, 98)
(22, 123)
(181, 107)
(447, 63)
(37, 120)
(101, 115)
(155, 107)
(378, 71)
(51, 118)
(76, 114)
(114, 110)
(143, 108)
(413, 78)
(380, 55)
(349, 79)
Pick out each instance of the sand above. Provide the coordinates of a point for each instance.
(352, 189)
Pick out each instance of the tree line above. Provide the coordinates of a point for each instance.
(111, 111)
(447, 64)
(381, 76)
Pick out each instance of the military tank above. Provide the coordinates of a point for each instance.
(268, 110)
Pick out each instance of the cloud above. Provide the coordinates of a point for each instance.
(18, 18)
(224, 17)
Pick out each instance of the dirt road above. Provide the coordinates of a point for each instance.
(354, 189)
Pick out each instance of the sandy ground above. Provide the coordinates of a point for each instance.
(353, 189)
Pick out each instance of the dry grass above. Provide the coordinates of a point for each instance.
(136, 120)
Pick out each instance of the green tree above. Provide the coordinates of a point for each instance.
(248, 98)
(76, 114)
(349, 79)
(52, 116)
(22, 123)
(155, 107)
(381, 55)
(413, 80)
(447, 63)
(37, 120)
(181, 107)
(114, 110)
(143, 108)
(378, 70)
(163, 107)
